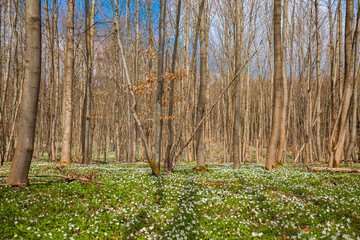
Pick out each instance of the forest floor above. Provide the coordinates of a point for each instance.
(123, 201)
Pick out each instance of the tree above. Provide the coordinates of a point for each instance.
(200, 108)
(169, 152)
(86, 116)
(281, 155)
(68, 78)
(236, 156)
(21, 162)
(159, 95)
(348, 84)
(278, 90)
(349, 154)
(132, 98)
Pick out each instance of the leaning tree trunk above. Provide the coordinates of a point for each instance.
(278, 91)
(68, 77)
(132, 98)
(20, 166)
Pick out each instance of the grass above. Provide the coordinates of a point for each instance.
(247, 203)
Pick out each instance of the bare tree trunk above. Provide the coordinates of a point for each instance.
(332, 68)
(54, 149)
(246, 131)
(159, 95)
(151, 33)
(308, 100)
(278, 91)
(89, 19)
(353, 123)
(200, 108)
(136, 74)
(20, 166)
(318, 86)
(340, 49)
(338, 61)
(68, 78)
(236, 156)
(169, 152)
(348, 82)
(193, 65)
(281, 155)
(50, 42)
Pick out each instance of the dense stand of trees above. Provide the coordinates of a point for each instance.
(138, 78)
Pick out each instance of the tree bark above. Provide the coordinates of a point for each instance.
(169, 152)
(160, 86)
(236, 156)
(281, 155)
(89, 26)
(54, 149)
(68, 80)
(348, 82)
(21, 162)
(354, 105)
(200, 108)
(278, 91)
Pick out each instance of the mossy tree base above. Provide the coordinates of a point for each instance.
(201, 168)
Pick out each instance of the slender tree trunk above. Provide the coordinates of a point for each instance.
(200, 108)
(150, 32)
(318, 86)
(340, 48)
(169, 152)
(281, 155)
(236, 156)
(332, 67)
(50, 45)
(278, 91)
(89, 19)
(68, 77)
(54, 149)
(337, 84)
(308, 86)
(353, 120)
(20, 166)
(348, 82)
(159, 95)
(136, 74)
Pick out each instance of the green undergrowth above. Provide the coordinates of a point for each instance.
(224, 203)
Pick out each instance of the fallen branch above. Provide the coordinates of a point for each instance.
(70, 178)
(327, 169)
(54, 175)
